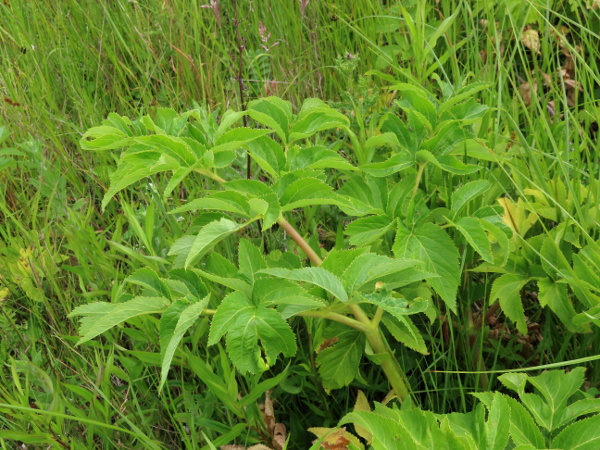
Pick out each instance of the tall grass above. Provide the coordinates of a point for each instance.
(65, 65)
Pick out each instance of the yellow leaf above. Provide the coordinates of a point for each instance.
(362, 404)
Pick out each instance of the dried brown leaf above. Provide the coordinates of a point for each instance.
(531, 39)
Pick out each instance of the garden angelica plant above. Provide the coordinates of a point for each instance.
(401, 257)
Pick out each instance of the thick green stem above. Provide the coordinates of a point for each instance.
(337, 318)
(390, 365)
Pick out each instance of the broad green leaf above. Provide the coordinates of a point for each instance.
(313, 275)
(405, 332)
(176, 148)
(316, 157)
(274, 113)
(498, 423)
(148, 278)
(555, 296)
(220, 201)
(250, 187)
(268, 154)
(383, 139)
(430, 244)
(250, 259)
(468, 192)
(228, 118)
(580, 408)
(416, 97)
(367, 192)
(474, 232)
(171, 337)
(507, 289)
(338, 363)
(289, 298)
(90, 314)
(134, 170)
(208, 236)
(514, 381)
(582, 435)
(315, 120)
(273, 211)
(193, 282)
(523, 430)
(397, 307)
(365, 230)
(463, 94)
(453, 165)
(259, 324)
(308, 192)
(233, 306)
(406, 138)
(396, 163)
(166, 122)
(557, 387)
(258, 207)
(236, 138)
(337, 261)
(104, 138)
(122, 312)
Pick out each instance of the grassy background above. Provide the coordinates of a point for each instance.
(65, 65)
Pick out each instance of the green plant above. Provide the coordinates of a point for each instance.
(558, 415)
(359, 288)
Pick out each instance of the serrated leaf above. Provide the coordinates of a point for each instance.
(148, 278)
(231, 308)
(365, 230)
(338, 364)
(474, 232)
(313, 275)
(308, 192)
(289, 298)
(250, 259)
(555, 296)
(557, 387)
(498, 423)
(192, 281)
(468, 192)
(104, 138)
(268, 154)
(523, 430)
(337, 261)
(430, 244)
(507, 289)
(170, 336)
(313, 120)
(274, 113)
(135, 169)
(176, 148)
(396, 163)
(219, 201)
(397, 307)
(582, 435)
(368, 268)
(245, 325)
(236, 138)
(208, 236)
(122, 312)
(451, 164)
(316, 157)
(405, 332)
